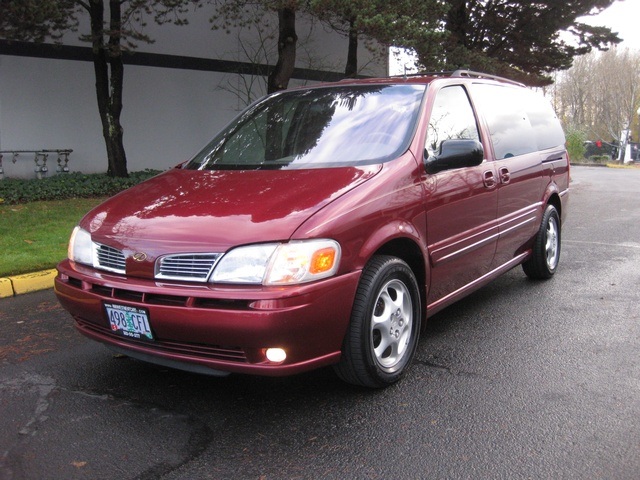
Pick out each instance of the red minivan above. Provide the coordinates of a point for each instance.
(323, 226)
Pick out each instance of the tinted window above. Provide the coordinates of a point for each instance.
(519, 121)
(545, 123)
(323, 127)
(451, 118)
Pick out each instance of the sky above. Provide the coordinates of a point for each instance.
(622, 17)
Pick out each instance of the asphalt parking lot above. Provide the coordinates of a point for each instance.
(520, 380)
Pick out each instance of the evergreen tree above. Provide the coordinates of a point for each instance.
(402, 23)
(519, 39)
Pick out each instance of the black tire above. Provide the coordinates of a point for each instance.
(385, 325)
(546, 247)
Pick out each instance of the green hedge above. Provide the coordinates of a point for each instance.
(575, 144)
(68, 185)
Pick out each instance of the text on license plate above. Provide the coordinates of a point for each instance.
(130, 322)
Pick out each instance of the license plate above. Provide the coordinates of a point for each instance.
(129, 322)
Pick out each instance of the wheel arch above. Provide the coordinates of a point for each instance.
(552, 197)
(410, 252)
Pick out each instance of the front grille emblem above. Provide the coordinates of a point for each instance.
(139, 256)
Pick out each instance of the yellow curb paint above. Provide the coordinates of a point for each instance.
(30, 282)
(617, 165)
(6, 288)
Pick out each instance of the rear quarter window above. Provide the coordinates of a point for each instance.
(519, 120)
(545, 123)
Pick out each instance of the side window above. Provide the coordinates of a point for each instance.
(451, 118)
(545, 123)
(507, 112)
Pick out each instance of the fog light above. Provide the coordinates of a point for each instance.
(276, 355)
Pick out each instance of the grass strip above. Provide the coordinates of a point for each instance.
(34, 235)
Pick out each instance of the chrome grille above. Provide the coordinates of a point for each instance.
(110, 258)
(191, 266)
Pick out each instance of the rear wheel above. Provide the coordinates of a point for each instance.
(385, 325)
(546, 248)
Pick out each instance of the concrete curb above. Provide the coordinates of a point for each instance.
(28, 282)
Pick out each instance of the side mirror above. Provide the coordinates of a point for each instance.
(181, 165)
(455, 154)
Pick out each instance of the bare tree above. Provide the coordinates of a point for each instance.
(238, 13)
(256, 47)
(600, 95)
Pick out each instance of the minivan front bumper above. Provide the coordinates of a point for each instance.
(201, 327)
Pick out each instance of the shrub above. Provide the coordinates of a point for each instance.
(575, 144)
(71, 185)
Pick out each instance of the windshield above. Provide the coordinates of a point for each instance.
(316, 128)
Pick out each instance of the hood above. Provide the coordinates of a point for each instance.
(212, 211)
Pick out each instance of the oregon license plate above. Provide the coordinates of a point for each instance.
(129, 322)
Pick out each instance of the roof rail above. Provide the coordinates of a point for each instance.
(461, 73)
(425, 74)
(472, 74)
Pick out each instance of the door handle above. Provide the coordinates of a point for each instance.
(505, 176)
(489, 179)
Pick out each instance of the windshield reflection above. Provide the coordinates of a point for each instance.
(315, 128)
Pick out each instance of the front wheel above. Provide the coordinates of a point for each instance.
(546, 247)
(385, 325)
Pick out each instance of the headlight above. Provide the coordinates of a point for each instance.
(80, 247)
(244, 264)
(279, 264)
(300, 262)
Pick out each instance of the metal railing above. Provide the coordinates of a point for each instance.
(40, 157)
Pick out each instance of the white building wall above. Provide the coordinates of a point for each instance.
(168, 113)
